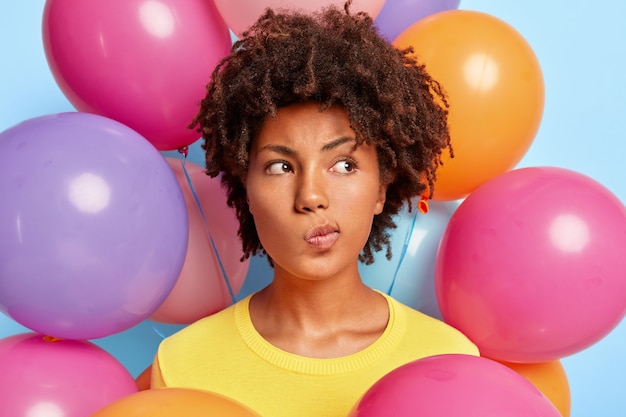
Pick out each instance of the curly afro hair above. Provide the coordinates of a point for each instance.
(332, 57)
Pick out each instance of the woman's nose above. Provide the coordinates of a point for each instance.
(311, 193)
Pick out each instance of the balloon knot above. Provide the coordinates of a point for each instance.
(184, 151)
(51, 339)
(422, 206)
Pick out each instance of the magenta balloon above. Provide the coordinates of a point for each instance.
(531, 265)
(398, 15)
(142, 63)
(454, 385)
(93, 226)
(46, 377)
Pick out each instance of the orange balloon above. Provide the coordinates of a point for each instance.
(168, 402)
(143, 379)
(549, 378)
(495, 90)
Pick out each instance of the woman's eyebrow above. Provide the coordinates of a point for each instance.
(286, 150)
(281, 149)
(337, 142)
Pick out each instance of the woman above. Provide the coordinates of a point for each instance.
(320, 131)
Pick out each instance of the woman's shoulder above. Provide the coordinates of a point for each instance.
(201, 332)
(206, 346)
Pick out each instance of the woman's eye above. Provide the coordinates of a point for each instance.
(344, 167)
(279, 167)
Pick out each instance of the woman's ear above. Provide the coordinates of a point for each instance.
(243, 182)
(380, 201)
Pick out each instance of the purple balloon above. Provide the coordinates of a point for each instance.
(398, 15)
(93, 226)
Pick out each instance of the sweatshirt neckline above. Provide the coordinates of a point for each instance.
(387, 341)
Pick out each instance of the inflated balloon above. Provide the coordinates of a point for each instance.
(43, 376)
(93, 226)
(409, 276)
(397, 15)
(240, 14)
(142, 63)
(495, 89)
(531, 265)
(202, 287)
(453, 385)
(550, 378)
(168, 402)
(143, 379)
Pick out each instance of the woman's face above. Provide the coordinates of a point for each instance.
(312, 194)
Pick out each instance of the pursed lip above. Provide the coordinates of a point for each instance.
(322, 236)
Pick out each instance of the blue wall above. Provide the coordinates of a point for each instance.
(579, 45)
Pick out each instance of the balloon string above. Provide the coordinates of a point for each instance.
(157, 331)
(208, 231)
(405, 247)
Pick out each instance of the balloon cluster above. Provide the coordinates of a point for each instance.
(92, 237)
(101, 231)
(454, 385)
(529, 264)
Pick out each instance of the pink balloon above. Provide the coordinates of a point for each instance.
(454, 385)
(531, 265)
(201, 289)
(42, 376)
(144, 63)
(240, 14)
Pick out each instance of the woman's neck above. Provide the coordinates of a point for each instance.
(329, 318)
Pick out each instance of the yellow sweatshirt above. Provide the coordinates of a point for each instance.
(224, 354)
